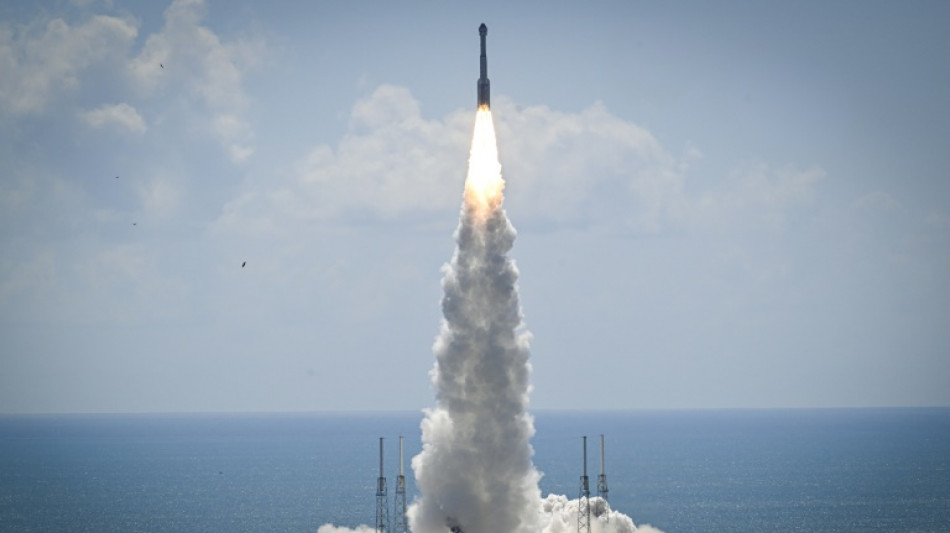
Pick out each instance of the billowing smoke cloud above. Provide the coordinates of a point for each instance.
(556, 514)
(559, 515)
(475, 471)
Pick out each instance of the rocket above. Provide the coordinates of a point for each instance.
(483, 84)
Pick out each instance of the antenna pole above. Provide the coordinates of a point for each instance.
(583, 500)
(382, 508)
(602, 489)
(402, 525)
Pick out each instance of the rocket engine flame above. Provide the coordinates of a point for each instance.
(484, 185)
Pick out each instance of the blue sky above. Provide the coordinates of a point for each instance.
(740, 204)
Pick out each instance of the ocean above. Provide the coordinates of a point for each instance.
(826, 470)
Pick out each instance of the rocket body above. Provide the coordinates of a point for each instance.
(484, 87)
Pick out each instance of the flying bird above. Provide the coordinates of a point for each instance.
(161, 65)
(242, 264)
(117, 177)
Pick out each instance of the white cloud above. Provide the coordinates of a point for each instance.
(40, 59)
(392, 163)
(589, 169)
(122, 116)
(191, 56)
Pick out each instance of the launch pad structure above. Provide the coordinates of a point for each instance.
(401, 523)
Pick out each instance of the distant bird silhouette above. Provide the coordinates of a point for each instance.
(242, 264)
(134, 224)
(161, 65)
(117, 177)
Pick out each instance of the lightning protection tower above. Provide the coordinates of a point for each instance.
(382, 507)
(401, 525)
(602, 480)
(583, 500)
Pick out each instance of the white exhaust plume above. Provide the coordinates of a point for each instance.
(475, 469)
(475, 472)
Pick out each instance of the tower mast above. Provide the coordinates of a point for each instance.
(382, 507)
(400, 526)
(602, 489)
(583, 500)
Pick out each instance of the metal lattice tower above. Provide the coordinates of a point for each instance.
(583, 500)
(401, 526)
(602, 489)
(382, 507)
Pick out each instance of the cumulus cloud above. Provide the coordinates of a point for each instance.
(121, 116)
(582, 170)
(394, 163)
(589, 168)
(187, 54)
(42, 58)
(185, 62)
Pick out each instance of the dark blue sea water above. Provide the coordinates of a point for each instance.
(682, 471)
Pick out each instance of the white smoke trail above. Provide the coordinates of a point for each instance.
(475, 471)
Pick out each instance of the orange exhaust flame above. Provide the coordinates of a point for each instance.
(484, 185)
